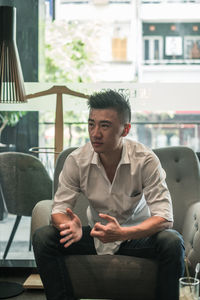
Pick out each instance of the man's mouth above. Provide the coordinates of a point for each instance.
(95, 143)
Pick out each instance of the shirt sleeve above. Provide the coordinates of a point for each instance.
(68, 187)
(155, 188)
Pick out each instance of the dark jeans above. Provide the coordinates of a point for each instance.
(166, 246)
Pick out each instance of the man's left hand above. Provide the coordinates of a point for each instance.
(108, 233)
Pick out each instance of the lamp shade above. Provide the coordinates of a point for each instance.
(12, 88)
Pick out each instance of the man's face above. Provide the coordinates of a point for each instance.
(105, 130)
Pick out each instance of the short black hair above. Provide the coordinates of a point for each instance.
(111, 99)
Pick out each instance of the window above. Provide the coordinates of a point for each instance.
(173, 46)
(162, 116)
(192, 47)
(119, 44)
(171, 43)
(153, 49)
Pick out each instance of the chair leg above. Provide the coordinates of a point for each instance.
(30, 240)
(17, 220)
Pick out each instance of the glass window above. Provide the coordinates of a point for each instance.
(192, 47)
(173, 46)
(153, 49)
(148, 52)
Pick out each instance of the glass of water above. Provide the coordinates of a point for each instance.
(188, 288)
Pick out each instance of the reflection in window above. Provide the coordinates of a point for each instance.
(192, 47)
(171, 43)
(119, 45)
(153, 48)
(173, 46)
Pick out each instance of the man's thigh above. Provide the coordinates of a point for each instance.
(48, 237)
(140, 248)
(149, 247)
(84, 246)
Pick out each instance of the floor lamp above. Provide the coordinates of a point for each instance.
(11, 91)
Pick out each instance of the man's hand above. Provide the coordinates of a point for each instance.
(108, 233)
(71, 230)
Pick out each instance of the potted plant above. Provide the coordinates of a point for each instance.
(9, 118)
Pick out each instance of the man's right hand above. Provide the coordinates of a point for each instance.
(70, 229)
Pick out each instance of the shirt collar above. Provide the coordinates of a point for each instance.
(125, 156)
(124, 159)
(95, 159)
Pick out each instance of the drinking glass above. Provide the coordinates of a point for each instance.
(188, 288)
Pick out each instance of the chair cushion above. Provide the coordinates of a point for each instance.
(112, 276)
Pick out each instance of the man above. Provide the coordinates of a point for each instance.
(130, 211)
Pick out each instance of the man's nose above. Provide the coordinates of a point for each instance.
(96, 132)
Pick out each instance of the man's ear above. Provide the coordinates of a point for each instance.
(126, 130)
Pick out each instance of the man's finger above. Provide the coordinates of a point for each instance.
(70, 212)
(63, 226)
(65, 232)
(68, 243)
(99, 226)
(107, 217)
(96, 233)
(66, 238)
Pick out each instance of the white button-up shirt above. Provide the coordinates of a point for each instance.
(137, 192)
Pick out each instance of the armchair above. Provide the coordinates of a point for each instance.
(23, 182)
(124, 277)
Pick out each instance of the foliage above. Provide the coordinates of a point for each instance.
(11, 118)
(71, 51)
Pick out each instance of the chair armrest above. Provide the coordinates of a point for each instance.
(41, 215)
(191, 235)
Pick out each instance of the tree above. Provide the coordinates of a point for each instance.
(10, 118)
(71, 51)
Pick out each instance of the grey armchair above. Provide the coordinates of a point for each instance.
(23, 182)
(123, 277)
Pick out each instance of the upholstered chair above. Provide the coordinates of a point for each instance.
(23, 182)
(124, 277)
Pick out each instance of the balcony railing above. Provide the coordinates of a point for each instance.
(171, 62)
(169, 1)
(95, 2)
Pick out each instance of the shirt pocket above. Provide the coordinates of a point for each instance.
(131, 202)
(135, 194)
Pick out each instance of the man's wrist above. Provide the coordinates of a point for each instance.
(125, 235)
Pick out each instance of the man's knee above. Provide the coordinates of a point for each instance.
(170, 242)
(44, 236)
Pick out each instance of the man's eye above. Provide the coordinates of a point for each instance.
(105, 125)
(90, 124)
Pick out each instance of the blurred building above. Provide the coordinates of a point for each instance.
(143, 41)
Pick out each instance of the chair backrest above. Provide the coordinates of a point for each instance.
(82, 201)
(181, 165)
(24, 181)
(59, 165)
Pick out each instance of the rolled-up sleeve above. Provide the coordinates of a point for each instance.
(68, 187)
(155, 190)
